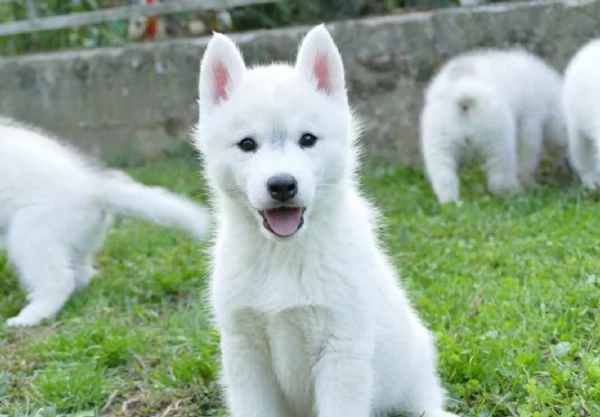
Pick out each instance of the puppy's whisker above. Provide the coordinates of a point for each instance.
(330, 185)
(232, 190)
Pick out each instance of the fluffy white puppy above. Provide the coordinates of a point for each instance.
(494, 105)
(312, 318)
(582, 110)
(55, 206)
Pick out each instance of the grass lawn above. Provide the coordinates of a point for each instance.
(511, 287)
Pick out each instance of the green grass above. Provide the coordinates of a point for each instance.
(511, 288)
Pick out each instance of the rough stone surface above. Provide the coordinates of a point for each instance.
(139, 101)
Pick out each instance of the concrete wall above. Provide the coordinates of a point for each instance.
(137, 102)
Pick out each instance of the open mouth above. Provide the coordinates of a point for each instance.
(283, 221)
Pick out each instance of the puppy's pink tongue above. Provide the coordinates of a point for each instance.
(284, 221)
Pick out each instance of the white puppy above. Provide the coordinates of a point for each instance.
(313, 320)
(55, 206)
(494, 105)
(582, 110)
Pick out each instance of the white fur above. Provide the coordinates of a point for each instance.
(55, 206)
(315, 324)
(494, 105)
(582, 110)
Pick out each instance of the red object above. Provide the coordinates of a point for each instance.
(152, 27)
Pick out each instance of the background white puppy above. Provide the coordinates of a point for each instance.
(494, 105)
(582, 110)
(55, 206)
(313, 321)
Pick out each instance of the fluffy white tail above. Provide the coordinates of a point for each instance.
(466, 103)
(127, 197)
(470, 96)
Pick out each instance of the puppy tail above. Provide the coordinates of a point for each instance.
(156, 204)
(472, 96)
(465, 104)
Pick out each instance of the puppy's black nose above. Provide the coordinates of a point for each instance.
(282, 187)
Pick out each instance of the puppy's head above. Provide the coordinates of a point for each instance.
(276, 139)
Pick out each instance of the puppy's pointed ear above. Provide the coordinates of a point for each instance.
(320, 61)
(221, 70)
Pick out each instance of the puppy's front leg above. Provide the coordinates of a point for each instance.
(343, 379)
(248, 376)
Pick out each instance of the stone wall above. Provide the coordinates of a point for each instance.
(133, 103)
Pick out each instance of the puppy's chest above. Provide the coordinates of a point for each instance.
(296, 312)
(270, 289)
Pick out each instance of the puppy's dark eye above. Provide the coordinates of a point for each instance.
(247, 144)
(307, 140)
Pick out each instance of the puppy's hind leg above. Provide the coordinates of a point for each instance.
(43, 264)
(583, 155)
(442, 170)
(439, 146)
(500, 157)
(91, 240)
(426, 398)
